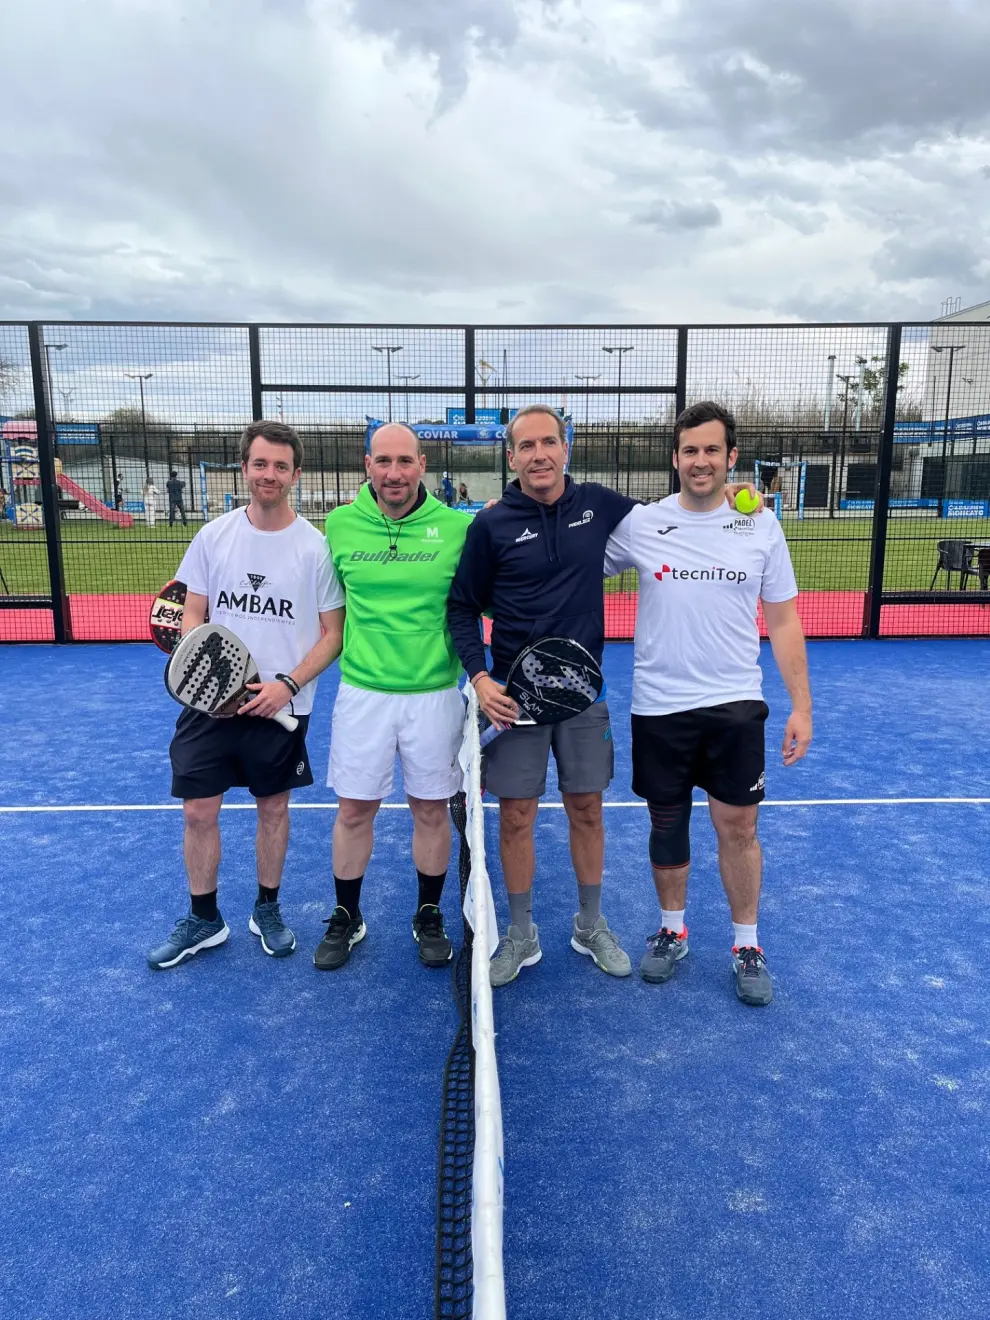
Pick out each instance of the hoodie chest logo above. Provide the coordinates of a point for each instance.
(527, 536)
(585, 518)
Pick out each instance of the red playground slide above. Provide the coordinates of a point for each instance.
(77, 492)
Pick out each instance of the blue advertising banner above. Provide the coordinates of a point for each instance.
(77, 433)
(960, 428)
(966, 508)
(457, 435)
(482, 416)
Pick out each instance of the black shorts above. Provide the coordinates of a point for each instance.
(247, 751)
(718, 748)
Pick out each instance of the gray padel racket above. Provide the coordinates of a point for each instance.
(209, 671)
(550, 680)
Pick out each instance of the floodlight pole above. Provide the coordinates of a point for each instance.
(952, 350)
(829, 391)
(51, 393)
(587, 397)
(388, 350)
(621, 349)
(860, 379)
(405, 380)
(141, 378)
(847, 381)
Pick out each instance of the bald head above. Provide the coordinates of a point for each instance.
(393, 434)
(395, 467)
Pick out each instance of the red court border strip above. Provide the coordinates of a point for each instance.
(124, 618)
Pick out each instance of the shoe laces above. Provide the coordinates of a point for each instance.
(337, 922)
(504, 946)
(429, 919)
(184, 927)
(605, 936)
(752, 960)
(662, 940)
(268, 916)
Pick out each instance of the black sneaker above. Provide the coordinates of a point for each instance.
(753, 984)
(343, 932)
(428, 932)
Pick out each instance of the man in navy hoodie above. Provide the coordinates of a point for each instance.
(534, 562)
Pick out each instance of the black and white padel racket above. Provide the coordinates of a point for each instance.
(550, 680)
(209, 671)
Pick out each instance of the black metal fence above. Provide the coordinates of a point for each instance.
(884, 493)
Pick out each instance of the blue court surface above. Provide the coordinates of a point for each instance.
(248, 1138)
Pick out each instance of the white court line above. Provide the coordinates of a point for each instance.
(493, 806)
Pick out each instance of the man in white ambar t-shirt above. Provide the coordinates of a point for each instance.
(265, 574)
(697, 707)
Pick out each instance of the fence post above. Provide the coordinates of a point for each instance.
(881, 493)
(469, 386)
(254, 353)
(61, 619)
(680, 398)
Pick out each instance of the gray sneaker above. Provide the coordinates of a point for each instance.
(664, 950)
(600, 944)
(514, 951)
(753, 984)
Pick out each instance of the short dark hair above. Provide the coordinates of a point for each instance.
(276, 433)
(706, 411)
(529, 411)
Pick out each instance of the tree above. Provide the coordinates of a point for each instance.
(127, 428)
(875, 383)
(10, 375)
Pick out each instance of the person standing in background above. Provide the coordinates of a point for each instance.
(150, 497)
(174, 487)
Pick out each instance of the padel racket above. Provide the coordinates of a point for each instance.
(165, 619)
(209, 671)
(550, 680)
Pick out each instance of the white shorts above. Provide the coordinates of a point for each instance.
(370, 728)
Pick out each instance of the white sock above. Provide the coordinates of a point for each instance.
(745, 936)
(672, 920)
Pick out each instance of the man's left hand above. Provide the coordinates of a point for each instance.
(797, 736)
(268, 699)
(732, 491)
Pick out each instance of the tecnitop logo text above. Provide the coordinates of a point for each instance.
(713, 574)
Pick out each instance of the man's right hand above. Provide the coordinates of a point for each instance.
(499, 708)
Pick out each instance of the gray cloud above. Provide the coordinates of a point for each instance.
(837, 79)
(681, 215)
(285, 159)
(446, 31)
(936, 256)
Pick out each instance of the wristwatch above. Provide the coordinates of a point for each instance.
(289, 682)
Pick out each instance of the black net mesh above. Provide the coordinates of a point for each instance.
(454, 1262)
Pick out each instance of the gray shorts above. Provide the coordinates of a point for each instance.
(515, 764)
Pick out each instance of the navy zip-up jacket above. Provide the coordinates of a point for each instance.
(537, 570)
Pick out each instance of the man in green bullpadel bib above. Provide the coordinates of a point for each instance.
(395, 550)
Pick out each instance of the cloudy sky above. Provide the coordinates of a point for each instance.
(494, 160)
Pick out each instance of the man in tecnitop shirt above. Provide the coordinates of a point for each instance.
(394, 550)
(266, 575)
(697, 706)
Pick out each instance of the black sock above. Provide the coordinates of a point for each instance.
(204, 906)
(267, 895)
(349, 895)
(430, 888)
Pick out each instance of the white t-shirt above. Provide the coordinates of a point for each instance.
(700, 576)
(267, 587)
